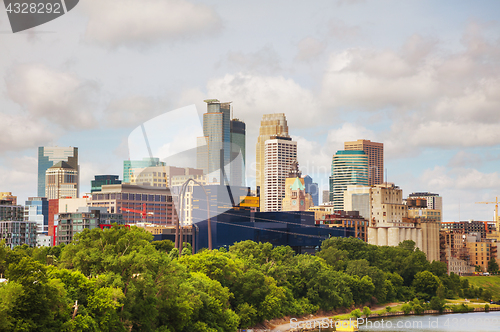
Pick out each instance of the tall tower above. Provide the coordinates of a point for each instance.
(48, 156)
(279, 155)
(375, 153)
(271, 125)
(61, 181)
(238, 146)
(216, 137)
(348, 168)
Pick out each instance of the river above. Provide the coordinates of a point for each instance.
(468, 322)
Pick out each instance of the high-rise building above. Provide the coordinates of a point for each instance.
(164, 176)
(326, 196)
(375, 153)
(238, 153)
(312, 188)
(100, 180)
(61, 181)
(48, 156)
(348, 168)
(13, 228)
(37, 210)
(271, 125)
(216, 138)
(279, 155)
(130, 166)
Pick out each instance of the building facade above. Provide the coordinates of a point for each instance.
(61, 181)
(312, 188)
(137, 203)
(375, 153)
(7, 196)
(216, 140)
(348, 168)
(13, 229)
(129, 166)
(37, 210)
(100, 180)
(296, 198)
(272, 125)
(69, 224)
(48, 157)
(238, 152)
(279, 155)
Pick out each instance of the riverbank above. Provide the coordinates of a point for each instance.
(312, 323)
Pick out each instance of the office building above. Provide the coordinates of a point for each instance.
(48, 156)
(350, 219)
(216, 140)
(37, 210)
(312, 188)
(375, 153)
(137, 203)
(61, 181)
(279, 155)
(100, 180)
(348, 168)
(433, 202)
(13, 229)
(69, 224)
(326, 196)
(130, 166)
(238, 152)
(272, 125)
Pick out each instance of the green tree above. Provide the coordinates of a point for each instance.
(356, 313)
(492, 265)
(163, 245)
(366, 311)
(426, 284)
(438, 268)
(334, 257)
(437, 304)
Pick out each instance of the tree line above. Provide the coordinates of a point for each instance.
(121, 280)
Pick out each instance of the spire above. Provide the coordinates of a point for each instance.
(294, 170)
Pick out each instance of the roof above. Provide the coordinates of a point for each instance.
(62, 164)
(297, 185)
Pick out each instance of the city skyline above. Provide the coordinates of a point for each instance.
(340, 71)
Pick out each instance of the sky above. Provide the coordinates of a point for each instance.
(420, 76)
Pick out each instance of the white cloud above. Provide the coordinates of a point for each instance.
(60, 97)
(343, 31)
(133, 110)
(264, 61)
(20, 132)
(309, 48)
(137, 23)
(441, 178)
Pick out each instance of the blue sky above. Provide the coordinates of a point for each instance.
(423, 77)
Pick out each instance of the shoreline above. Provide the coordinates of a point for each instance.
(317, 320)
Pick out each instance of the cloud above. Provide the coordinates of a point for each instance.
(309, 48)
(116, 23)
(264, 61)
(340, 30)
(465, 159)
(19, 176)
(441, 178)
(22, 132)
(60, 97)
(133, 110)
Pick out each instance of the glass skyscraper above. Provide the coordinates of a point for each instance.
(238, 146)
(37, 210)
(348, 168)
(216, 137)
(48, 157)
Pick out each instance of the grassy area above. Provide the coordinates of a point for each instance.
(491, 283)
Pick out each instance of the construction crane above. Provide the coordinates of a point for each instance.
(142, 212)
(496, 211)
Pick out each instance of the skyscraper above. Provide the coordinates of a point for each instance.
(216, 137)
(48, 156)
(61, 181)
(279, 155)
(271, 125)
(312, 188)
(375, 153)
(348, 168)
(238, 146)
(37, 210)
